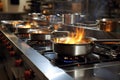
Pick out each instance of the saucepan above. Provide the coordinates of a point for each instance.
(39, 34)
(109, 24)
(80, 49)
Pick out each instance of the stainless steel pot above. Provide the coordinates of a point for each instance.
(109, 25)
(71, 18)
(39, 34)
(73, 49)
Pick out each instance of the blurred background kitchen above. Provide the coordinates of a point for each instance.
(90, 9)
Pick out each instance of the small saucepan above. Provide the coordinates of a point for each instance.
(109, 25)
(38, 34)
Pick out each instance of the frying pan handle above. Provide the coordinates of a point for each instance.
(107, 40)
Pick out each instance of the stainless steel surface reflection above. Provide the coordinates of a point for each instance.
(102, 71)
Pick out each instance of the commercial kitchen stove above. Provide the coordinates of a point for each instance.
(102, 64)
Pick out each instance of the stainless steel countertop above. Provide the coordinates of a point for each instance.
(100, 71)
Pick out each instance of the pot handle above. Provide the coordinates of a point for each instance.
(107, 40)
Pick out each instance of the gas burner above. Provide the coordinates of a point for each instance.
(64, 61)
(92, 58)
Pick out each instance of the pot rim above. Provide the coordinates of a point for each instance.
(109, 19)
(40, 33)
(71, 44)
(91, 40)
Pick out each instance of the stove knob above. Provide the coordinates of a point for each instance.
(2, 38)
(28, 74)
(4, 41)
(9, 47)
(12, 53)
(7, 43)
(18, 62)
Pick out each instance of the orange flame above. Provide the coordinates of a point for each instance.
(15, 23)
(27, 25)
(73, 38)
